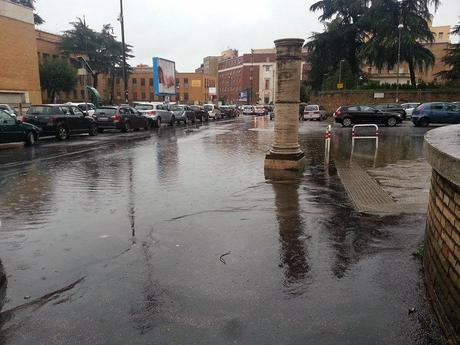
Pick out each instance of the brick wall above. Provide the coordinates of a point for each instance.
(442, 253)
(331, 100)
(18, 62)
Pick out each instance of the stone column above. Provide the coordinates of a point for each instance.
(285, 152)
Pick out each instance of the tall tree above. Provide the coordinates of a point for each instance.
(102, 49)
(381, 26)
(452, 59)
(57, 75)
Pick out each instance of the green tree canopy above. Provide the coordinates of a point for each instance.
(452, 59)
(57, 75)
(102, 49)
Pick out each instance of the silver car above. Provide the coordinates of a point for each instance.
(409, 108)
(314, 112)
(156, 113)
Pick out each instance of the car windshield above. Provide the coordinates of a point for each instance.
(208, 107)
(41, 110)
(176, 108)
(144, 107)
(106, 111)
(311, 108)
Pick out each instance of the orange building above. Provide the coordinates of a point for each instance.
(19, 77)
(195, 88)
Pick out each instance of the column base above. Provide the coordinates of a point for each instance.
(293, 162)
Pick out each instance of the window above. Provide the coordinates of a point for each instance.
(177, 83)
(185, 96)
(186, 83)
(142, 81)
(267, 84)
(6, 119)
(134, 95)
(55, 56)
(152, 96)
(353, 108)
(267, 68)
(46, 56)
(440, 35)
(143, 95)
(151, 82)
(82, 94)
(134, 81)
(369, 70)
(77, 111)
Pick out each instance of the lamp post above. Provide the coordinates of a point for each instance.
(340, 71)
(125, 80)
(400, 27)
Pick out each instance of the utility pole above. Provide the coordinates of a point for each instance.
(252, 68)
(400, 27)
(125, 79)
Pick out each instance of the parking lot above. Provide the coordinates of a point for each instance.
(175, 236)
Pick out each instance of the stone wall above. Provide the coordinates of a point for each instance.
(331, 100)
(442, 247)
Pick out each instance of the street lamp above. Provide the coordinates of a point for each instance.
(340, 71)
(125, 80)
(400, 27)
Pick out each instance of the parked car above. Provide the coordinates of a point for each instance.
(314, 112)
(60, 120)
(436, 112)
(123, 118)
(214, 113)
(156, 113)
(82, 106)
(12, 130)
(248, 110)
(354, 114)
(409, 108)
(259, 110)
(182, 113)
(228, 111)
(392, 108)
(8, 109)
(200, 113)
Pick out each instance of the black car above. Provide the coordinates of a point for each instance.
(355, 114)
(392, 108)
(182, 113)
(60, 120)
(123, 118)
(200, 113)
(12, 130)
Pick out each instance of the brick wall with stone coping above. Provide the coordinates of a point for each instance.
(442, 246)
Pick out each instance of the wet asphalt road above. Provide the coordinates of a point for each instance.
(118, 239)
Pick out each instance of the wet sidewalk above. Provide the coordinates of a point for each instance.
(179, 239)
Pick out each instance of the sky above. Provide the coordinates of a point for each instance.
(185, 31)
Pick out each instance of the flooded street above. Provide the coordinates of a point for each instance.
(177, 238)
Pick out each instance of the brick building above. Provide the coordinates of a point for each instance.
(191, 87)
(19, 76)
(254, 74)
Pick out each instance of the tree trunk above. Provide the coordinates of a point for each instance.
(413, 82)
(95, 77)
(112, 88)
(53, 94)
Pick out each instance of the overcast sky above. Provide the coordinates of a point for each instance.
(188, 30)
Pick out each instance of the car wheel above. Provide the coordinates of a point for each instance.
(92, 130)
(193, 120)
(347, 122)
(424, 122)
(391, 122)
(62, 133)
(30, 140)
(127, 127)
(185, 121)
(173, 121)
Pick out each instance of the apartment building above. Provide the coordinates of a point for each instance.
(19, 77)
